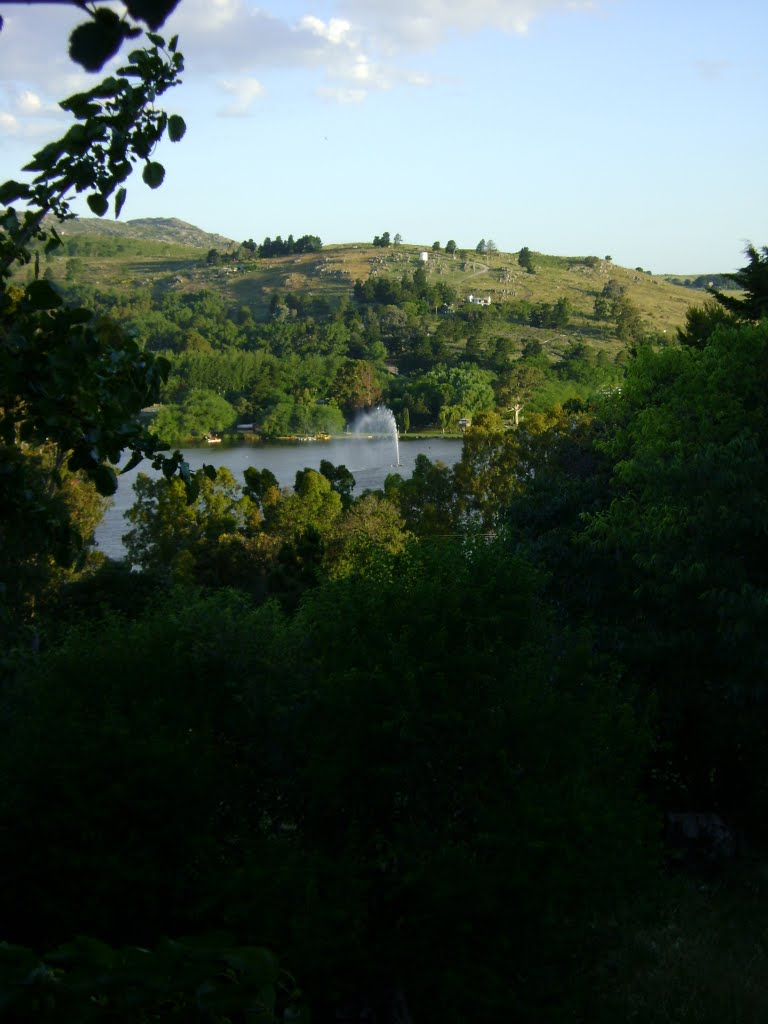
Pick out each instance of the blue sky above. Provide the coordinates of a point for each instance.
(635, 128)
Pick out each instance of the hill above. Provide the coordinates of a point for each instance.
(169, 253)
(154, 229)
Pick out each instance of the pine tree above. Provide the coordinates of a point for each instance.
(753, 280)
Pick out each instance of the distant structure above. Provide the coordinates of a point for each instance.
(424, 257)
(476, 300)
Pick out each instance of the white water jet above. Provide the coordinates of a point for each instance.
(378, 422)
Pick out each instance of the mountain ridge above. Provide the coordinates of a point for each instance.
(160, 229)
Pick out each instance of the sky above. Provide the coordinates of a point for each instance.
(631, 128)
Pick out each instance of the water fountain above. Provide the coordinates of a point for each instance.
(378, 422)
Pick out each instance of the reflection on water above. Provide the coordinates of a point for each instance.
(369, 461)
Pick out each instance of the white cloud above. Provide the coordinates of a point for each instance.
(9, 125)
(414, 24)
(212, 16)
(334, 30)
(356, 47)
(30, 103)
(244, 91)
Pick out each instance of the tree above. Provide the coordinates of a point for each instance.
(753, 280)
(602, 308)
(356, 386)
(480, 247)
(341, 480)
(525, 259)
(450, 247)
(171, 535)
(701, 322)
(516, 385)
(435, 247)
(437, 780)
(629, 324)
(681, 535)
(202, 412)
(71, 381)
(466, 389)
(313, 507)
(487, 475)
(427, 499)
(491, 247)
(371, 530)
(398, 240)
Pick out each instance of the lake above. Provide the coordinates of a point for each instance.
(369, 460)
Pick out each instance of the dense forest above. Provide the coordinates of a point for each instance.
(489, 743)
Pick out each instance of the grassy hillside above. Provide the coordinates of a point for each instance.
(166, 253)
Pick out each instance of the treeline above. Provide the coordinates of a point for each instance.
(277, 247)
(705, 281)
(413, 287)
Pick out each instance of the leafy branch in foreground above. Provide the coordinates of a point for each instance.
(71, 383)
(94, 42)
(69, 379)
(117, 125)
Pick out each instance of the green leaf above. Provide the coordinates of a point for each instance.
(53, 242)
(153, 174)
(10, 191)
(41, 295)
(132, 463)
(76, 135)
(105, 479)
(119, 200)
(98, 204)
(91, 45)
(176, 128)
(153, 12)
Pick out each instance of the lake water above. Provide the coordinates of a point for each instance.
(369, 461)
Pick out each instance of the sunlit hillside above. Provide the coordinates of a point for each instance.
(169, 254)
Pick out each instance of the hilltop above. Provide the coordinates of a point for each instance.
(154, 229)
